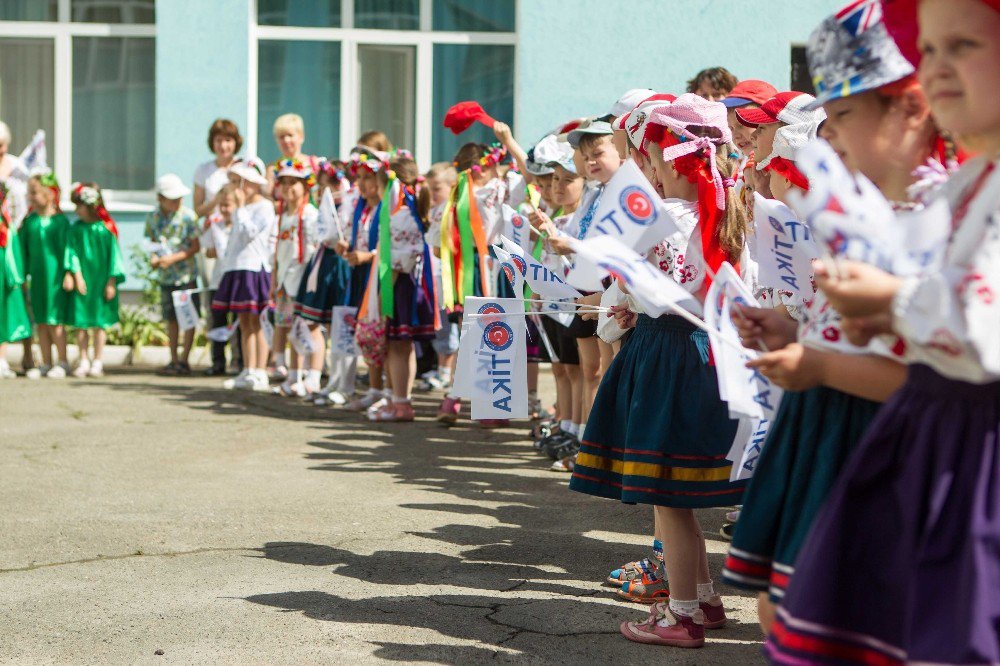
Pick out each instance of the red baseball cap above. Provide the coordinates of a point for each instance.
(785, 107)
(751, 91)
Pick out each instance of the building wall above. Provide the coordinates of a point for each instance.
(576, 57)
(202, 73)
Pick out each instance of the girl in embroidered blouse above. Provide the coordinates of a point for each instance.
(405, 282)
(927, 471)
(659, 432)
(297, 242)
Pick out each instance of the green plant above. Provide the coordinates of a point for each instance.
(137, 329)
(146, 274)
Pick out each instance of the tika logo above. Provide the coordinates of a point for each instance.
(517, 221)
(637, 205)
(498, 336)
(520, 263)
(508, 271)
(491, 308)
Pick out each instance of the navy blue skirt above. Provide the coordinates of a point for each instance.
(331, 287)
(243, 291)
(358, 283)
(903, 561)
(658, 431)
(413, 318)
(812, 437)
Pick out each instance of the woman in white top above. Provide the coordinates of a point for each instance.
(246, 283)
(225, 141)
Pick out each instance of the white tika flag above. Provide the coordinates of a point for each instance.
(492, 368)
(752, 398)
(184, 310)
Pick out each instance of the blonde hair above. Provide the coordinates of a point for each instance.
(289, 122)
(736, 222)
(442, 171)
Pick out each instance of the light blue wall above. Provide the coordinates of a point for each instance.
(202, 73)
(576, 57)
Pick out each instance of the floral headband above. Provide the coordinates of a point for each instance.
(295, 168)
(492, 156)
(87, 194)
(331, 170)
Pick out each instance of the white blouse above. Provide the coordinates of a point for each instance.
(950, 318)
(289, 270)
(251, 242)
(680, 255)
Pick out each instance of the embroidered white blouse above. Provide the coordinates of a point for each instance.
(950, 318)
(289, 270)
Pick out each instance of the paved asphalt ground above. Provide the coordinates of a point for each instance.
(144, 514)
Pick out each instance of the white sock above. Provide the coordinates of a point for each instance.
(387, 394)
(293, 376)
(4, 365)
(400, 400)
(706, 591)
(577, 429)
(685, 608)
(313, 377)
(444, 374)
(279, 358)
(259, 372)
(566, 426)
(373, 393)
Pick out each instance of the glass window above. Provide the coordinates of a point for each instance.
(387, 14)
(305, 13)
(27, 88)
(113, 11)
(28, 10)
(304, 78)
(474, 15)
(114, 111)
(388, 84)
(484, 73)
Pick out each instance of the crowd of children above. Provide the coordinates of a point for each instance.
(869, 528)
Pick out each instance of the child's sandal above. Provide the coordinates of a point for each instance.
(629, 572)
(647, 589)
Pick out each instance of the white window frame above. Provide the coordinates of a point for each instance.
(61, 32)
(349, 37)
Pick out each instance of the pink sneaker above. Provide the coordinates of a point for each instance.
(449, 410)
(715, 613)
(666, 628)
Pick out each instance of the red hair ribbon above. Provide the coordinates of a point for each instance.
(4, 217)
(699, 167)
(787, 170)
(105, 217)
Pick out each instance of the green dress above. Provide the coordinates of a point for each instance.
(43, 243)
(93, 251)
(14, 322)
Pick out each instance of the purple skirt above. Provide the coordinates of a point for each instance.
(903, 561)
(413, 318)
(243, 291)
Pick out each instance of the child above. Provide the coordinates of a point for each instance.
(659, 432)
(441, 178)
(297, 242)
(405, 286)
(713, 84)
(14, 322)
(43, 243)
(93, 268)
(324, 285)
(357, 251)
(833, 390)
(174, 228)
(925, 477)
(246, 280)
(214, 240)
(567, 190)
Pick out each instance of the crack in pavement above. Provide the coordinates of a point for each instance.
(137, 554)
